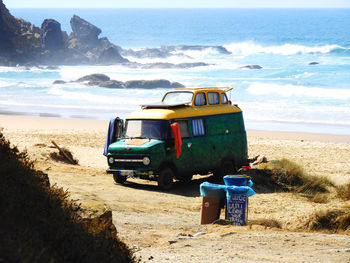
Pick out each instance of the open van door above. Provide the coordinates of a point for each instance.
(115, 131)
(118, 128)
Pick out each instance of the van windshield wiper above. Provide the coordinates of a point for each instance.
(135, 137)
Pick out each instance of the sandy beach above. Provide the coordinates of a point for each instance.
(147, 218)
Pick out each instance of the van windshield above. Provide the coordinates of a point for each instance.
(150, 129)
(178, 97)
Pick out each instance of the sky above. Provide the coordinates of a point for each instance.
(177, 4)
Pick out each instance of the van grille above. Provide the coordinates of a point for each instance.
(126, 162)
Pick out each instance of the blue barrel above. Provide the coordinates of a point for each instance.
(231, 180)
(213, 190)
(237, 204)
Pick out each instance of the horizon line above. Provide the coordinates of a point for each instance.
(346, 7)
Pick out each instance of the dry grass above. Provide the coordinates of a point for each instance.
(288, 176)
(319, 198)
(334, 221)
(267, 223)
(343, 191)
(291, 175)
(39, 223)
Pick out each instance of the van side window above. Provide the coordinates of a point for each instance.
(200, 99)
(183, 129)
(213, 98)
(224, 99)
(198, 127)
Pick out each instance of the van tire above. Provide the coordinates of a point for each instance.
(166, 178)
(227, 167)
(119, 179)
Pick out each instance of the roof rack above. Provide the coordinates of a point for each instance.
(206, 88)
(161, 105)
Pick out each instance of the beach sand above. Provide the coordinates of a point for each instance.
(147, 218)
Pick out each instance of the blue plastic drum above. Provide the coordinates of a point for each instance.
(237, 181)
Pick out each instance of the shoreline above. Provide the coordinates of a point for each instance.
(12, 122)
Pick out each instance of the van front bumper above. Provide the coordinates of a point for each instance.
(132, 173)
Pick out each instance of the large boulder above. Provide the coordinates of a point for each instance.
(97, 215)
(152, 84)
(111, 55)
(94, 77)
(111, 84)
(51, 35)
(84, 30)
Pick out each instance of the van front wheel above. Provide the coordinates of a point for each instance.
(166, 178)
(119, 179)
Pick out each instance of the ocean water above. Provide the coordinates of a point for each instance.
(287, 94)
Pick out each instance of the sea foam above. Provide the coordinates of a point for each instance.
(250, 48)
(290, 90)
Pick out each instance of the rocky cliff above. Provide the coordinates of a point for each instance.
(24, 44)
(19, 40)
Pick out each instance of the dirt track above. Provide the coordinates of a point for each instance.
(147, 219)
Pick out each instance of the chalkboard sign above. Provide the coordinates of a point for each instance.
(237, 209)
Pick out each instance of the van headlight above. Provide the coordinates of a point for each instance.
(110, 160)
(146, 160)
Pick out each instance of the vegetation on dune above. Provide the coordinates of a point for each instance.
(334, 221)
(40, 224)
(289, 176)
(343, 191)
(286, 175)
(266, 222)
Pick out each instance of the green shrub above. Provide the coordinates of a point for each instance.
(40, 224)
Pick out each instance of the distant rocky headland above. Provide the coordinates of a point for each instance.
(22, 43)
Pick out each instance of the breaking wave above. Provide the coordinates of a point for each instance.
(249, 48)
(290, 90)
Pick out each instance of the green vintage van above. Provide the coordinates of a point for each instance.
(191, 131)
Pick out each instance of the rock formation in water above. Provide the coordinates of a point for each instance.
(167, 51)
(51, 35)
(102, 80)
(24, 44)
(252, 67)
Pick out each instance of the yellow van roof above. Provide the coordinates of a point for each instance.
(183, 112)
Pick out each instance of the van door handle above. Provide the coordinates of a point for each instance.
(189, 144)
(214, 147)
